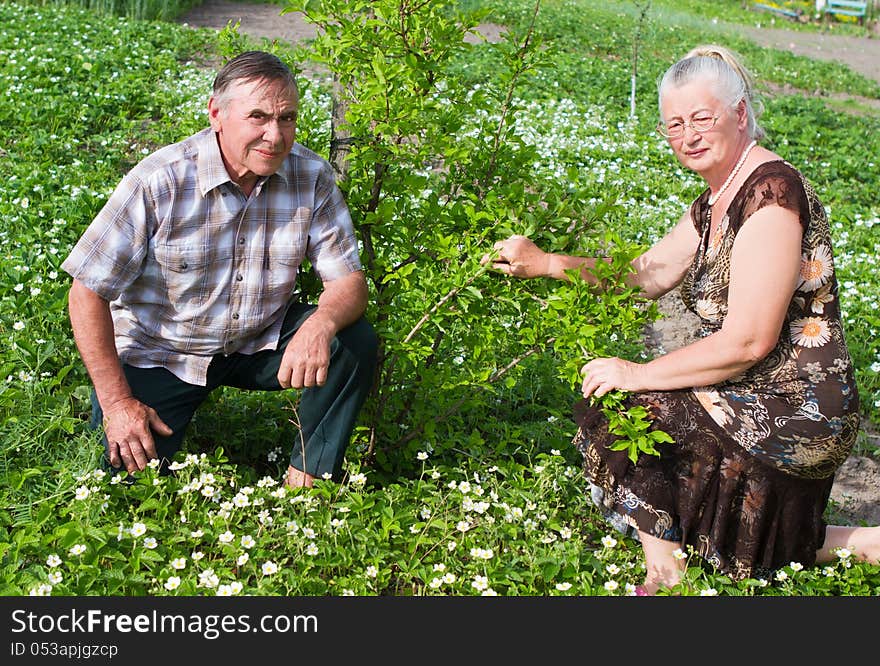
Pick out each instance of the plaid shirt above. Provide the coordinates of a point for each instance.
(193, 268)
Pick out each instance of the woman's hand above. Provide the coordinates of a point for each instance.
(520, 257)
(602, 375)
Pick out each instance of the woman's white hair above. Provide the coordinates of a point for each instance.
(722, 69)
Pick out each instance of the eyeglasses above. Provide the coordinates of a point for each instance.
(675, 129)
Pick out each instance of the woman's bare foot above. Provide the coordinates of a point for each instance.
(863, 542)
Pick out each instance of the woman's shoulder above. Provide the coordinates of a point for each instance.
(773, 182)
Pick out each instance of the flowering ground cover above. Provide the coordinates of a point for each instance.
(489, 501)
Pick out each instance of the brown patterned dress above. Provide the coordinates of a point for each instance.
(749, 475)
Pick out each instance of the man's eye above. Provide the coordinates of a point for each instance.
(675, 126)
(702, 119)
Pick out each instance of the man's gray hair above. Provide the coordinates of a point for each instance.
(251, 66)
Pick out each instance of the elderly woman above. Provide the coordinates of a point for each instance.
(763, 406)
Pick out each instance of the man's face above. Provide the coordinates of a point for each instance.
(256, 127)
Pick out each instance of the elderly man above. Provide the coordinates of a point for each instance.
(184, 282)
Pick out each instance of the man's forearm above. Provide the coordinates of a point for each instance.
(343, 301)
(93, 332)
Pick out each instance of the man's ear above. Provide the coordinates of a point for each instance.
(214, 112)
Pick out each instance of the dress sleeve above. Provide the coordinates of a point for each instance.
(772, 183)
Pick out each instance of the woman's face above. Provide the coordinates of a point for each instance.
(711, 152)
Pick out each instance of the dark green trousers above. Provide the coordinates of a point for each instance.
(327, 414)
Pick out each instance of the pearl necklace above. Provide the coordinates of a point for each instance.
(742, 159)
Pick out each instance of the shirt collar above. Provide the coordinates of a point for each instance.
(211, 170)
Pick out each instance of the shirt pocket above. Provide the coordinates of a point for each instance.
(191, 275)
(283, 263)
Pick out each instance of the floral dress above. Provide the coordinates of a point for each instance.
(748, 478)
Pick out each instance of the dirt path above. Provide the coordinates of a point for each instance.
(856, 492)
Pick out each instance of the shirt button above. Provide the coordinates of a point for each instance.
(241, 241)
(184, 266)
(235, 315)
(239, 277)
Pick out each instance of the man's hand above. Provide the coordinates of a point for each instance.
(307, 357)
(518, 256)
(127, 424)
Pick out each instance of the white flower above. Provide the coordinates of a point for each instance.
(269, 568)
(489, 592)
(247, 541)
(809, 332)
(150, 543)
(451, 546)
(242, 559)
(208, 578)
(197, 555)
(346, 592)
(236, 587)
(844, 553)
(421, 455)
(53, 560)
(679, 554)
(709, 592)
(208, 491)
(563, 587)
(172, 583)
(449, 578)
(612, 569)
(611, 585)
(372, 571)
(435, 583)
(796, 566)
(43, 590)
(480, 582)
(462, 526)
(609, 541)
(224, 591)
(82, 492)
(197, 534)
(358, 479)
(312, 549)
(138, 529)
(178, 563)
(440, 567)
(226, 537)
(781, 576)
(78, 549)
(241, 500)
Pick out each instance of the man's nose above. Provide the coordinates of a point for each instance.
(272, 131)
